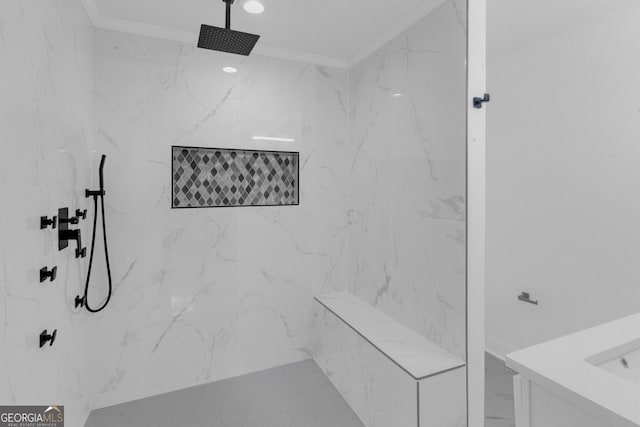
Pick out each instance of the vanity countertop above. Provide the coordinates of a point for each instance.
(561, 367)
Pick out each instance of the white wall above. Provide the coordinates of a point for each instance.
(46, 129)
(206, 294)
(407, 176)
(564, 182)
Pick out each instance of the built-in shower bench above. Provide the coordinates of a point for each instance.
(388, 373)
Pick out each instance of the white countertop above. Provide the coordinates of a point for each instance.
(561, 367)
(414, 353)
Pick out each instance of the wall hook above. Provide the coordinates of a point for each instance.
(45, 337)
(477, 102)
(50, 274)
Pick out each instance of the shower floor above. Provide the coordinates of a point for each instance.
(292, 395)
(298, 394)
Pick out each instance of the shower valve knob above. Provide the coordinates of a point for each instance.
(50, 274)
(46, 222)
(79, 301)
(81, 214)
(45, 337)
(81, 253)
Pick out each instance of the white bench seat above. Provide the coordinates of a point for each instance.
(389, 374)
(413, 353)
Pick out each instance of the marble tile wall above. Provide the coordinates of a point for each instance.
(206, 294)
(46, 129)
(377, 390)
(407, 177)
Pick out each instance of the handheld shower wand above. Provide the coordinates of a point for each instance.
(84, 300)
(102, 160)
(89, 193)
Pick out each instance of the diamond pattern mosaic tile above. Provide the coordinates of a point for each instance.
(212, 177)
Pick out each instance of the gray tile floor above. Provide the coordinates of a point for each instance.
(498, 394)
(289, 396)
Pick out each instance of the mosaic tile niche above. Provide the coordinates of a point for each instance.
(214, 177)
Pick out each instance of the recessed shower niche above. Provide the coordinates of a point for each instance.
(214, 177)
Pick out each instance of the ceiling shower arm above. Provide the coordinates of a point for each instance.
(228, 21)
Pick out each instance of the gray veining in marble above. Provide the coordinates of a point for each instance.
(407, 178)
(499, 410)
(292, 395)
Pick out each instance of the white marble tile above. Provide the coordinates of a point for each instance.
(414, 353)
(375, 388)
(46, 128)
(211, 294)
(233, 286)
(407, 178)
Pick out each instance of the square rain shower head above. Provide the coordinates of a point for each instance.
(226, 40)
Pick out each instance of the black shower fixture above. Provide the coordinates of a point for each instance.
(45, 274)
(226, 39)
(46, 222)
(47, 338)
(65, 233)
(83, 300)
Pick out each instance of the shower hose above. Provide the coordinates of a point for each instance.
(106, 254)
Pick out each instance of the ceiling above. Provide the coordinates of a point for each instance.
(339, 33)
(328, 32)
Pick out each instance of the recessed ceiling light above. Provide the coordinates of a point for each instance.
(397, 95)
(254, 6)
(271, 138)
(230, 70)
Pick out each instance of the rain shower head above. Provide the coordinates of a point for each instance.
(226, 39)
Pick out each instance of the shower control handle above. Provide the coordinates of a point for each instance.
(81, 214)
(45, 337)
(45, 274)
(70, 220)
(79, 302)
(46, 222)
(65, 235)
(81, 253)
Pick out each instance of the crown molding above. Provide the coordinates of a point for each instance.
(154, 31)
(423, 10)
(139, 28)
